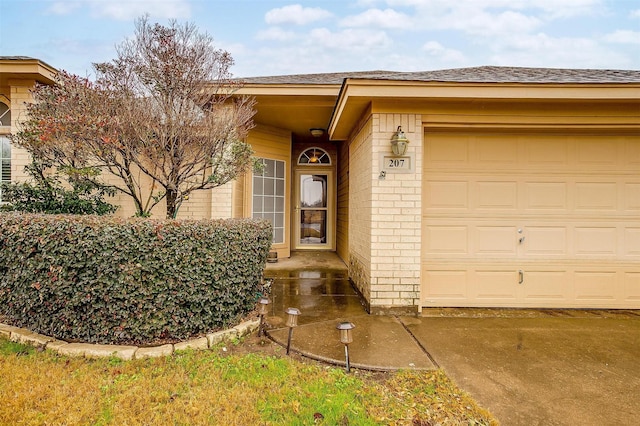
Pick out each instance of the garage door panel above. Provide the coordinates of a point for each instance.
(632, 197)
(596, 196)
(495, 241)
(545, 241)
(496, 151)
(492, 195)
(447, 195)
(632, 287)
(546, 196)
(595, 285)
(499, 285)
(447, 240)
(446, 284)
(546, 152)
(632, 242)
(597, 151)
(546, 286)
(631, 155)
(595, 241)
(446, 152)
(576, 199)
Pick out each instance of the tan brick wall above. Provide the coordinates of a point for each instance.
(360, 193)
(20, 96)
(221, 202)
(385, 215)
(342, 208)
(396, 217)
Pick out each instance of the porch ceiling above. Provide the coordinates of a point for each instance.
(296, 114)
(294, 108)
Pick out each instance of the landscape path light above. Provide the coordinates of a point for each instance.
(263, 310)
(292, 321)
(346, 337)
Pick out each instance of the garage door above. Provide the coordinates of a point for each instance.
(517, 220)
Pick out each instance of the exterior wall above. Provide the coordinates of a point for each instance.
(360, 194)
(220, 207)
(275, 144)
(396, 219)
(198, 206)
(342, 208)
(20, 96)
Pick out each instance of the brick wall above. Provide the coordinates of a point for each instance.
(360, 181)
(385, 216)
(20, 96)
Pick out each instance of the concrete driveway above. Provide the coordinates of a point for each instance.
(549, 368)
(528, 367)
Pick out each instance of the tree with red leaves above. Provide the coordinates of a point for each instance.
(161, 117)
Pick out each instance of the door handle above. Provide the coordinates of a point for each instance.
(520, 276)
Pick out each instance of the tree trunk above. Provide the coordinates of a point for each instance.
(172, 206)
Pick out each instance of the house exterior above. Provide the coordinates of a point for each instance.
(519, 187)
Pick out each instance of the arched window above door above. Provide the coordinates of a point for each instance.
(314, 156)
(5, 115)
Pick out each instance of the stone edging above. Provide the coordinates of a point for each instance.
(89, 350)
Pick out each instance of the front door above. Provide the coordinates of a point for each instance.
(313, 212)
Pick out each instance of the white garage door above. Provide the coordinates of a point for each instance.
(531, 221)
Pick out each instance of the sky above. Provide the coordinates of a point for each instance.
(269, 37)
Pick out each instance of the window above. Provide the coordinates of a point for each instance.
(314, 156)
(5, 161)
(268, 196)
(5, 115)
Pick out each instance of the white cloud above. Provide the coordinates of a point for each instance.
(505, 23)
(126, 10)
(356, 39)
(635, 13)
(296, 14)
(387, 18)
(564, 52)
(442, 54)
(624, 37)
(275, 34)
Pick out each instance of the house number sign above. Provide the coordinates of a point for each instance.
(393, 164)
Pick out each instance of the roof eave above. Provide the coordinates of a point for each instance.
(356, 94)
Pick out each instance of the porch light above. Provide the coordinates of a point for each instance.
(262, 311)
(316, 132)
(314, 158)
(399, 142)
(292, 321)
(346, 337)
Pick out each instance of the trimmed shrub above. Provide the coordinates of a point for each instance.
(136, 281)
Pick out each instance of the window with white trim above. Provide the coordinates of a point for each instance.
(268, 196)
(314, 156)
(5, 162)
(5, 115)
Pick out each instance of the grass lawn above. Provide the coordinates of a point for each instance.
(250, 382)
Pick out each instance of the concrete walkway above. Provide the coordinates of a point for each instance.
(529, 367)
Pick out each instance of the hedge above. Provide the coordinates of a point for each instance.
(128, 281)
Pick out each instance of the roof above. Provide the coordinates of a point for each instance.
(327, 78)
(483, 74)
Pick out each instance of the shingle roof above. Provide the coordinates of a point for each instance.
(16, 58)
(484, 74)
(328, 78)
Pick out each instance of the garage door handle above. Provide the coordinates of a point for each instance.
(520, 277)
